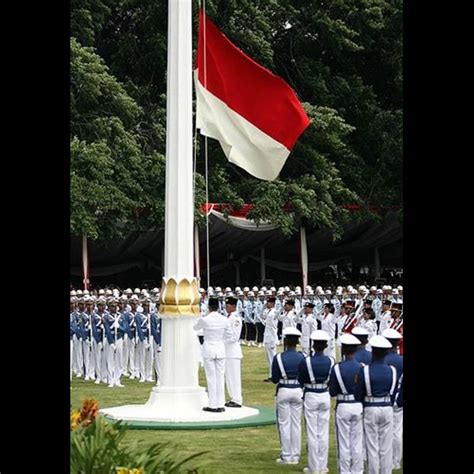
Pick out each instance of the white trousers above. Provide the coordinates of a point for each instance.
(133, 358)
(397, 446)
(89, 359)
(145, 360)
(114, 362)
(378, 431)
(289, 404)
(78, 359)
(330, 350)
(215, 370)
(98, 364)
(316, 412)
(125, 354)
(306, 345)
(270, 351)
(349, 431)
(232, 380)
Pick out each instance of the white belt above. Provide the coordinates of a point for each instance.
(345, 398)
(377, 399)
(289, 381)
(316, 385)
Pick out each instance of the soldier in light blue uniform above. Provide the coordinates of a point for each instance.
(349, 427)
(115, 325)
(376, 388)
(78, 358)
(131, 317)
(98, 344)
(248, 305)
(72, 333)
(87, 350)
(145, 350)
(258, 313)
(289, 397)
(313, 374)
(155, 327)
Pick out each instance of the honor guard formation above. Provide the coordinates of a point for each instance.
(345, 343)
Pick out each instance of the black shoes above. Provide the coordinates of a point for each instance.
(267, 380)
(213, 410)
(232, 404)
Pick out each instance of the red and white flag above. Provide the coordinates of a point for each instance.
(254, 114)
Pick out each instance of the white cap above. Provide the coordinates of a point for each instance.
(379, 292)
(353, 292)
(319, 335)
(380, 342)
(362, 288)
(124, 298)
(279, 293)
(217, 288)
(210, 288)
(79, 292)
(389, 287)
(320, 292)
(264, 288)
(136, 291)
(250, 293)
(287, 288)
(157, 290)
(298, 291)
(240, 293)
(73, 293)
(115, 292)
(128, 291)
(144, 292)
(202, 290)
(260, 293)
(246, 288)
(291, 331)
(86, 292)
(373, 288)
(349, 339)
(255, 288)
(310, 292)
(339, 292)
(273, 288)
(237, 288)
(101, 292)
(108, 292)
(328, 292)
(400, 288)
(391, 334)
(394, 291)
(268, 293)
(360, 331)
(291, 293)
(228, 289)
(318, 288)
(298, 287)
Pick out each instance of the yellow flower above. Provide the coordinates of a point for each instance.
(136, 471)
(89, 411)
(75, 419)
(121, 470)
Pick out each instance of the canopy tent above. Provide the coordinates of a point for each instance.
(236, 245)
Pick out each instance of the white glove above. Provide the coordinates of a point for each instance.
(113, 347)
(89, 343)
(99, 345)
(147, 345)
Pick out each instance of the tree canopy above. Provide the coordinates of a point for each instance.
(343, 58)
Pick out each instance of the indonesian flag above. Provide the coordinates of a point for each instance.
(254, 114)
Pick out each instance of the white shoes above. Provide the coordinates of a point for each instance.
(141, 380)
(286, 461)
(111, 385)
(97, 382)
(119, 385)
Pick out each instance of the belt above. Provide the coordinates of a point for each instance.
(289, 381)
(378, 399)
(345, 398)
(316, 385)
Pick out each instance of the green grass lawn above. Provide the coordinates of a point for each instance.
(229, 450)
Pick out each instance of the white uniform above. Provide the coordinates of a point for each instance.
(270, 337)
(385, 320)
(288, 319)
(233, 356)
(308, 325)
(215, 326)
(328, 324)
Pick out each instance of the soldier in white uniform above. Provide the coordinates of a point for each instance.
(233, 354)
(270, 337)
(288, 316)
(308, 325)
(216, 327)
(328, 324)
